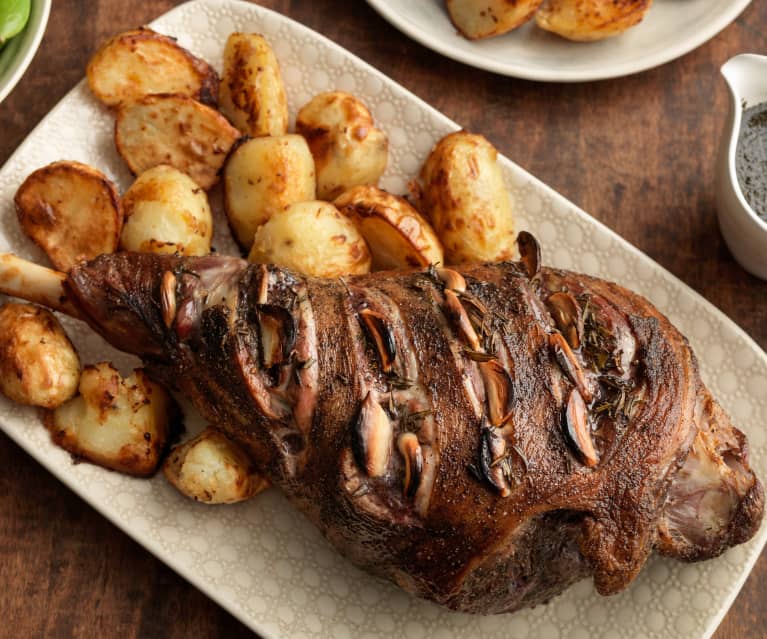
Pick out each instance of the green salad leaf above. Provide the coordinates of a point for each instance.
(13, 16)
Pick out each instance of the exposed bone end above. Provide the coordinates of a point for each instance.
(715, 500)
(34, 283)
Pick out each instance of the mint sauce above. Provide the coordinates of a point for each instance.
(751, 158)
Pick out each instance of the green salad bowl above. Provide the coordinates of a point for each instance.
(18, 52)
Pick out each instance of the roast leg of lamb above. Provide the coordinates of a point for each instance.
(483, 437)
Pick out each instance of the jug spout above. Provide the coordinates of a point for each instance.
(746, 75)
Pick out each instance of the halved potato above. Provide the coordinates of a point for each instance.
(38, 364)
(213, 469)
(465, 199)
(166, 212)
(477, 19)
(347, 147)
(252, 94)
(174, 130)
(313, 238)
(142, 62)
(122, 424)
(265, 175)
(396, 234)
(71, 210)
(589, 20)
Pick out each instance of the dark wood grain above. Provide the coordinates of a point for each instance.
(637, 153)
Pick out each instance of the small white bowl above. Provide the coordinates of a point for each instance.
(743, 230)
(18, 52)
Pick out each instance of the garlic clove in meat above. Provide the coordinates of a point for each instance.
(567, 315)
(529, 253)
(498, 390)
(371, 437)
(577, 431)
(410, 449)
(377, 329)
(460, 319)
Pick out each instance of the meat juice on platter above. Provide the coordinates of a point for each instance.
(751, 158)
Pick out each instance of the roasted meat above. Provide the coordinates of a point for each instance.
(483, 437)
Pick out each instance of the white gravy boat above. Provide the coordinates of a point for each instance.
(743, 230)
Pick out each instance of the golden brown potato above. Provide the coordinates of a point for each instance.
(589, 20)
(312, 238)
(348, 149)
(166, 212)
(396, 234)
(142, 62)
(251, 94)
(174, 130)
(477, 19)
(213, 469)
(465, 199)
(265, 175)
(122, 424)
(38, 364)
(71, 210)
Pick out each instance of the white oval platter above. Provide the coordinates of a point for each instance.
(261, 560)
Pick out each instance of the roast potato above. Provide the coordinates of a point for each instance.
(465, 199)
(251, 94)
(313, 238)
(265, 175)
(348, 149)
(122, 424)
(477, 19)
(396, 234)
(38, 364)
(141, 62)
(166, 212)
(71, 210)
(589, 20)
(174, 130)
(213, 469)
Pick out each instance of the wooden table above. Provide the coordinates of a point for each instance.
(637, 153)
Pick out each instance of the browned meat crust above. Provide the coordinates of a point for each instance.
(483, 443)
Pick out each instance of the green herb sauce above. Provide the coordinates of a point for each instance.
(751, 158)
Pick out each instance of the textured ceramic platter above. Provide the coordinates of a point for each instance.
(670, 29)
(261, 560)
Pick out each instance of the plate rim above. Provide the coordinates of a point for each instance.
(254, 622)
(393, 17)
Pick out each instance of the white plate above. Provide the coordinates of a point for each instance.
(261, 560)
(670, 29)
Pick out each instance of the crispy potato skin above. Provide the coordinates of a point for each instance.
(590, 20)
(313, 238)
(166, 212)
(251, 93)
(397, 235)
(142, 62)
(477, 19)
(347, 147)
(122, 424)
(263, 176)
(174, 130)
(465, 199)
(38, 364)
(70, 210)
(213, 469)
